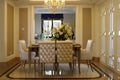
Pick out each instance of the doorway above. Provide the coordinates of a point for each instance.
(45, 21)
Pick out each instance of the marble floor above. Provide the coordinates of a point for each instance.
(107, 74)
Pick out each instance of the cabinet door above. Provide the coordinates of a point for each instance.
(111, 33)
(103, 37)
(118, 35)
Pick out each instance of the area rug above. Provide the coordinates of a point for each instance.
(48, 72)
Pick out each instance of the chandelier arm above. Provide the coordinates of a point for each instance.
(54, 5)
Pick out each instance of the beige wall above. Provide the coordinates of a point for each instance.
(23, 24)
(38, 21)
(2, 31)
(10, 30)
(69, 19)
(80, 24)
(86, 25)
(16, 30)
(96, 30)
(4, 25)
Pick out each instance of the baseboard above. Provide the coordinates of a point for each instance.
(96, 59)
(14, 60)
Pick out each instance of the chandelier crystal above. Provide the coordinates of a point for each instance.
(54, 5)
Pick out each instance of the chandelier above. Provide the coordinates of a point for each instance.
(54, 5)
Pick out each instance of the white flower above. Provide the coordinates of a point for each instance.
(57, 35)
(66, 27)
(62, 32)
(66, 36)
(70, 33)
(59, 27)
(54, 30)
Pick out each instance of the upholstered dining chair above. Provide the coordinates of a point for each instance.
(23, 53)
(87, 53)
(58, 53)
(47, 54)
(65, 53)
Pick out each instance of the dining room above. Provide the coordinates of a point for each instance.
(56, 35)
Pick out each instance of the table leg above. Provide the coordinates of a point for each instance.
(79, 64)
(29, 59)
(77, 53)
(79, 59)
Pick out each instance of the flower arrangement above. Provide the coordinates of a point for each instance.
(62, 32)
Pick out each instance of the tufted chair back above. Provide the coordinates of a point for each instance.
(47, 52)
(64, 52)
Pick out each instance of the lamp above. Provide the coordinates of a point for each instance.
(54, 5)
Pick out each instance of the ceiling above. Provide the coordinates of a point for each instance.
(40, 2)
(65, 10)
(68, 10)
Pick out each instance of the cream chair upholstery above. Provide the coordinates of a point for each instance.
(47, 52)
(87, 53)
(65, 52)
(23, 52)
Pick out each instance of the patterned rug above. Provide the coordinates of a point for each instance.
(48, 72)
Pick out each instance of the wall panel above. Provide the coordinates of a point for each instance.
(10, 30)
(23, 24)
(86, 25)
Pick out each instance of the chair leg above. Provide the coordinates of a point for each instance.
(70, 65)
(56, 68)
(39, 65)
(24, 63)
(35, 65)
(87, 61)
(41, 68)
(74, 64)
(44, 68)
(90, 65)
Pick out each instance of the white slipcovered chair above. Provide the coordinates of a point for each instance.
(87, 53)
(23, 53)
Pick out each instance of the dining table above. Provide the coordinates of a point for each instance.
(77, 54)
(32, 48)
(35, 48)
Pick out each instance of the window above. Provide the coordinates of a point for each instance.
(48, 25)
